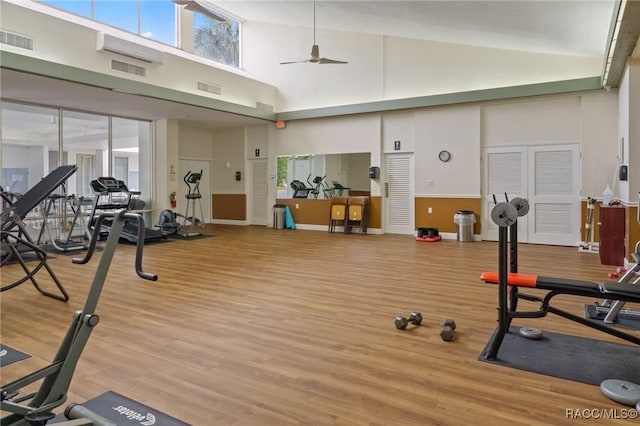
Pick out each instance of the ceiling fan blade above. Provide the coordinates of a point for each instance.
(294, 62)
(330, 61)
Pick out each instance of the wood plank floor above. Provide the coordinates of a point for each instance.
(256, 326)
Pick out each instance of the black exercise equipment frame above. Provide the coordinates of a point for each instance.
(508, 297)
(14, 235)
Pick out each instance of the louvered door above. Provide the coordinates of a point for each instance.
(399, 194)
(505, 172)
(554, 194)
(549, 177)
(259, 191)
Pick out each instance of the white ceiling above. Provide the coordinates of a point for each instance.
(567, 27)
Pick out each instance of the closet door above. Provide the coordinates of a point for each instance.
(399, 194)
(548, 176)
(259, 189)
(504, 172)
(554, 194)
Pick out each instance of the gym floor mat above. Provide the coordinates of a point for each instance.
(195, 237)
(125, 412)
(624, 321)
(569, 357)
(9, 355)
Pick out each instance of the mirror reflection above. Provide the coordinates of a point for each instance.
(323, 176)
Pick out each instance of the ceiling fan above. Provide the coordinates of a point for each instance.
(198, 7)
(315, 50)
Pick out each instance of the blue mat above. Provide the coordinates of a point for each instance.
(288, 219)
(9, 355)
(570, 357)
(125, 412)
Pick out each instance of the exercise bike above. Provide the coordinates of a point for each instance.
(192, 180)
(317, 186)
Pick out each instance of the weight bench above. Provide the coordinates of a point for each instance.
(15, 239)
(510, 282)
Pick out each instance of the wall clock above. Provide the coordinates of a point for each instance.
(444, 156)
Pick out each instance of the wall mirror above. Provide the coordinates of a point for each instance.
(323, 176)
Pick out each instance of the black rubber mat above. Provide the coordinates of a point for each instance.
(9, 355)
(569, 357)
(125, 412)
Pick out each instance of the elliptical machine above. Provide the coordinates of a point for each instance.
(192, 180)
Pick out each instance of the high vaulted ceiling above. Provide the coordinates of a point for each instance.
(575, 27)
(568, 27)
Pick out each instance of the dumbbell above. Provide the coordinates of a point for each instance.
(447, 331)
(415, 318)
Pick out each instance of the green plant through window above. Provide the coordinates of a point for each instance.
(217, 40)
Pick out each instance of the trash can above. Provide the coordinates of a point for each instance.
(465, 220)
(278, 216)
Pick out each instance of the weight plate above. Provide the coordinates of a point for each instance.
(531, 333)
(504, 214)
(621, 391)
(521, 205)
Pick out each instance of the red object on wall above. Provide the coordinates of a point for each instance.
(612, 228)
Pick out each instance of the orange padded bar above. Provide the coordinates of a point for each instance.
(521, 280)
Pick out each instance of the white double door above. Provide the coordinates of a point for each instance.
(549, 178)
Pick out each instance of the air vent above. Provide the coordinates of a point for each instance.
(264, 107)
(17, 40)
(210, 88)
(128, 68)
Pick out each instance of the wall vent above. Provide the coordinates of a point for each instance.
(264, 107)
(17, 40)
(128, 68)
(216, 89)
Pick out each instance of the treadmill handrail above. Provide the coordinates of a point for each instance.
(122, 214)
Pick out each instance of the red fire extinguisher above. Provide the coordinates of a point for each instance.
(174, 200)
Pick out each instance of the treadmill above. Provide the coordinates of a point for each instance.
(112, 194)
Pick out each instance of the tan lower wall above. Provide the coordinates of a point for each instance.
(442, 212)
(316, 212)
(229, 206)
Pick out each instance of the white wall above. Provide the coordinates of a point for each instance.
(418, 67)
(380, 67)
(228, 155)
(74, 44)
(529, 121)
(589, 119)
(305, 86)
(339, 135)
(629, 129)
(457, 130)
(383, 68)
(599, 127)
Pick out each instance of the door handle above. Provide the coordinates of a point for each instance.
(386, 189)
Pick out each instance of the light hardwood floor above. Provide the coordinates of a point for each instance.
(256, 326)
